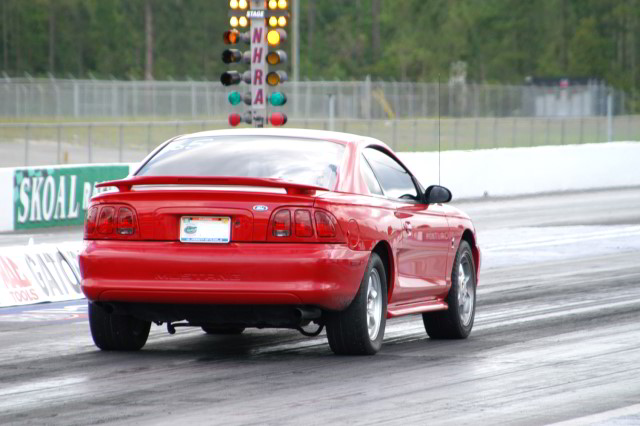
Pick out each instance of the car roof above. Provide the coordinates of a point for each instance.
(340, 137)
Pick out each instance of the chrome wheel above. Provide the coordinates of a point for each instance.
(466, 292)
(374, 304)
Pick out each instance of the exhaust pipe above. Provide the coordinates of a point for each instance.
(307, 314)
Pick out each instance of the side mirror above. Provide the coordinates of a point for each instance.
(437, 194)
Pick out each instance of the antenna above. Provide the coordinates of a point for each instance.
(438, 129)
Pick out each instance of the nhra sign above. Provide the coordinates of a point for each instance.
(259, 50)
(39, 273)
(57, 196)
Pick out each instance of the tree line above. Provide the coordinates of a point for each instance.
(500, 41)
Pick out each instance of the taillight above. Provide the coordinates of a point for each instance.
(324, 225)
(304, 227)
(297, 225)
(90, 223)
(282, 224)
(106, 220)
(110, 222)
(126, 223)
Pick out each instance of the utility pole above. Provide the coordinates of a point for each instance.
(296, 41)
(295, 52)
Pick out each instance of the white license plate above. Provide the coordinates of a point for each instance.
(205, 229)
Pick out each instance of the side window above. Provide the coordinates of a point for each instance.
(369, 177)
(393, 178)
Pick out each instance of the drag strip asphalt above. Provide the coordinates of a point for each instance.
(556, 340)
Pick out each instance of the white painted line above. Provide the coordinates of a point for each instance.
(605, 417)
(617, 233)
(40, 385)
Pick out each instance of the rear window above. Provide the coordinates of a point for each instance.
(305, 161)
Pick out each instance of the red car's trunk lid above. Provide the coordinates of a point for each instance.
(160, 202)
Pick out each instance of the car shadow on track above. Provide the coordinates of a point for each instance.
(271, 345)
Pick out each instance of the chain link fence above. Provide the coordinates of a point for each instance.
(24, 144)
(79, 100)
(111, 120)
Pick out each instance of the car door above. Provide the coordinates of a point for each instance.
(423, 249)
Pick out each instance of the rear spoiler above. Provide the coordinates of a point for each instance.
(125, 185)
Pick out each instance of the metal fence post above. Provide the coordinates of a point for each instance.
(89, 143)
(59, 142)
(394, 142)
(531, 131)
(193, 100)
(207, 99)
(609, 116)
(56, 90)
(425, 99)
(149, 137)
(27, 136)
(121, 142)
(332, 111)
(173, 101)
(475, 132)
(456, 121)
(76, 99)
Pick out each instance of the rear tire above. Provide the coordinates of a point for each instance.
(457, 321)
(217, 329)
(112, 332)
(359, 329)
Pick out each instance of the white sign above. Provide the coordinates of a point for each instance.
(39, 273)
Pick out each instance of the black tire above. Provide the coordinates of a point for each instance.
(217, 329)
(348, 330)
(455, 322)
(112, 332)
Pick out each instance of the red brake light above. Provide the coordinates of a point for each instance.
(90, 223)
(326, 231)
(106, 221)
(282, 224)
(126, 223)
(324, 225)
(303, 223)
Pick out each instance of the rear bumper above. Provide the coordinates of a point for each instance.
(323, 275)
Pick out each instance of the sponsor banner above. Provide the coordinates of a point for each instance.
(39, 273)
(58, 196)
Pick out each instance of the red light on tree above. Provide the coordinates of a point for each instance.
(235, 119)
(278, 119)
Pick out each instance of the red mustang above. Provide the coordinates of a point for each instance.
(276, 228)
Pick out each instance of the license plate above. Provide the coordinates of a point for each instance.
(205, 229)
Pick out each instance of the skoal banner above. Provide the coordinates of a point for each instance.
(58, 196)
